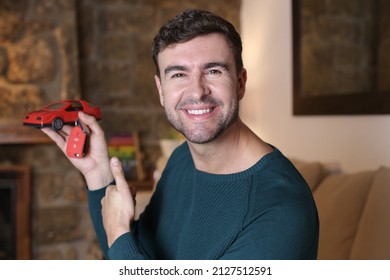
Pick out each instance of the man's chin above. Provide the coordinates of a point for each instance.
(202, 138)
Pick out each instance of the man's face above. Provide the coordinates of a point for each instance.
(199, 87)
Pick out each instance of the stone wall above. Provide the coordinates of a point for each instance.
(39, 64)
(38, 55)
(97, 50)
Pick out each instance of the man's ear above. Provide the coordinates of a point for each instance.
(157, 80)
(242, 83)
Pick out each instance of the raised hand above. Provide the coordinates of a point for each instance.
(118, 205)
(95, 165)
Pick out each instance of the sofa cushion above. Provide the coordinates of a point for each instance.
(373, 235)
(340, 200)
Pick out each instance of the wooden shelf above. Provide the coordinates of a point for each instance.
(10, 134)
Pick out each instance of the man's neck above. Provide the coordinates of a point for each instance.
(236, 150)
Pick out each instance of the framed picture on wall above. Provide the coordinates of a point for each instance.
(340, 57)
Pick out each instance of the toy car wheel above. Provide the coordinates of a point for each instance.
(57, 124)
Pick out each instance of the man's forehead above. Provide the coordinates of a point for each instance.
(207, 47)
(202, 40)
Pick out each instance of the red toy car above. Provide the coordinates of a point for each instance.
(58, 113)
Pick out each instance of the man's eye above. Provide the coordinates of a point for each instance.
(177, 75)
(214, 71)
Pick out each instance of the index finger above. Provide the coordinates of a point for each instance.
(117, 172)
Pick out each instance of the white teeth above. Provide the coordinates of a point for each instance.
(199, 112)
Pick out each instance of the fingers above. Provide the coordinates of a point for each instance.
(120, 180)
(66, 129)
(56, 137)
(117, 172)
(91, 122)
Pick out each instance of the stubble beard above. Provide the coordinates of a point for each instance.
(201, 134)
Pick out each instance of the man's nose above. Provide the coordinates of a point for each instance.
(199, 87)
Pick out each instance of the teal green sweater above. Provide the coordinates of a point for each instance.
(264, 212)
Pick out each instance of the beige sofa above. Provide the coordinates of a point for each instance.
(354, 211)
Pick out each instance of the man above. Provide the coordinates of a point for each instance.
(225, 193)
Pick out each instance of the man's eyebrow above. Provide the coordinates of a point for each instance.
(206, 66)
(174, 68)
(216, 64)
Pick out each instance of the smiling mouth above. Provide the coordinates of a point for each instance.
(199, 111)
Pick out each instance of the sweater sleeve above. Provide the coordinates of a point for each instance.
(278, 235)
(283, 226)
(95, 211)
(124, 247)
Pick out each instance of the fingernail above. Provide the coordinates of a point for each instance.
(115, 161)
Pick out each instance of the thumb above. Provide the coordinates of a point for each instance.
(117, 172)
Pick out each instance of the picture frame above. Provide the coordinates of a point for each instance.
(373, 100)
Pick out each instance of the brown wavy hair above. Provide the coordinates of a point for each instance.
(193, 23)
